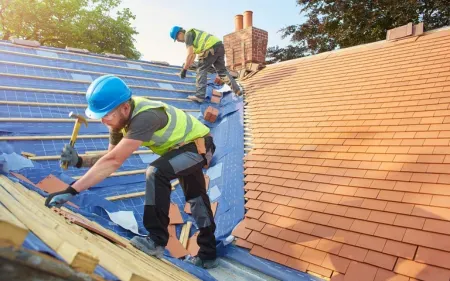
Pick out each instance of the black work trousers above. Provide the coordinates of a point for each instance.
(218, 61)
(185, 164)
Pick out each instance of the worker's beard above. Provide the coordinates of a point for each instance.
(121, 123)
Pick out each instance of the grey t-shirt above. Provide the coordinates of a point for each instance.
(189, 38)
(142, 126)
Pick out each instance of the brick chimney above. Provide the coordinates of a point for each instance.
(247, 45)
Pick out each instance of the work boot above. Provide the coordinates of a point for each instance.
(206, 264)
(195, 98)
(146, 245)
(240, 91)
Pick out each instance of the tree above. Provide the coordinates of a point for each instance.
(345, 23)
(85, 24)
(277, 54)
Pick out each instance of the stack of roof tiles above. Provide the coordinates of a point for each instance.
(349, 173)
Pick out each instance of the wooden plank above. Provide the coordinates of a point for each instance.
(135, 194)
(185, 235)
(44, 120)
(42, 230)
(11, 228)
(80, 261)
(65, 137)
(87, 82)
(96, 63)
(57, 157)
(54, 104)
(126, 263)
(27, 265)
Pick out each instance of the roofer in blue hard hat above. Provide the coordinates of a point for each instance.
(210, 52)
(185, 147)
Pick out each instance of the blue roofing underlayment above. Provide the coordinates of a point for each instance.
(50, 75)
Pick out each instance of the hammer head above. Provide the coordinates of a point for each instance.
(78, 117)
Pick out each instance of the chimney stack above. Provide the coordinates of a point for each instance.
(247, 45)
(248, 19)
(237, 22)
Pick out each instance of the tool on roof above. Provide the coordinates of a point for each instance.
(78, 121)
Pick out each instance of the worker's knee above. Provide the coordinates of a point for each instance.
(200, 212)
(150, 185)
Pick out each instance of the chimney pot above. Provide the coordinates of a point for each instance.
(248, 19)
(238, 19)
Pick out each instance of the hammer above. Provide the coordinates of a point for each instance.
(78, 120)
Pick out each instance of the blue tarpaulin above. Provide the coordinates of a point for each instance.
(74, 73)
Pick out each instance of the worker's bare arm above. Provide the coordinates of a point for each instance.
(190, 57)
(90, 160)
(108, 164)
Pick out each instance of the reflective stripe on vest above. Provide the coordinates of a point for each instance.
(181, 127)
(203, 41)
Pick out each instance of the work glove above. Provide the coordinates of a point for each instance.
(57, 199)
(69, 155)
(183, 73)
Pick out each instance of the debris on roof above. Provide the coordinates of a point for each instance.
(348, 172)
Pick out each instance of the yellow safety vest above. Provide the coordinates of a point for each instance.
(181, 127)
(203, 41)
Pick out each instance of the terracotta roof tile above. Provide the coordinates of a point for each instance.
(329, 246)
(244, 244)
(271, 230)
(297, 264)
(350, 167)
(313, 256)
(359, 271)
(421, 271)
(390, 232)
(385, 275)
(336, 263)
(380, 260)
(400, 249)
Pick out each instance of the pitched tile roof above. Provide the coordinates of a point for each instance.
(349, 173)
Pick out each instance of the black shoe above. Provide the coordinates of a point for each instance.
(206, 264)
(146, 245)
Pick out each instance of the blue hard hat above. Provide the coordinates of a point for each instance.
(104, 94)
(174, 31)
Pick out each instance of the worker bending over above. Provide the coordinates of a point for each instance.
(184, 144)
(210, 51)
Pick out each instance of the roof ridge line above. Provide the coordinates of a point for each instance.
(349, 49)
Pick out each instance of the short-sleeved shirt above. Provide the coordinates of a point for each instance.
(189, 38)
(142, 126)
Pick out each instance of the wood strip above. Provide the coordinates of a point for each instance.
(53, 104)
(11, 228)
(37, 90)
(10, 198)
(45, 120)
(93, 63)
(126, 263)
(87, 82)
(135, 194)
(187, 230)
(62, 137)
(97, 73)
(57, 157)
(28, 265)
(165, 265)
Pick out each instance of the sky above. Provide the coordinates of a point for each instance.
(155, 18)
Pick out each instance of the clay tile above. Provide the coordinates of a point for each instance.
(175, 215)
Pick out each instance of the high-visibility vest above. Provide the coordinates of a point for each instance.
(181, 127)
(203, 41)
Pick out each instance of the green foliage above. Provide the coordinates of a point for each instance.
(86, 24)
(277, 54)
(345, 23)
